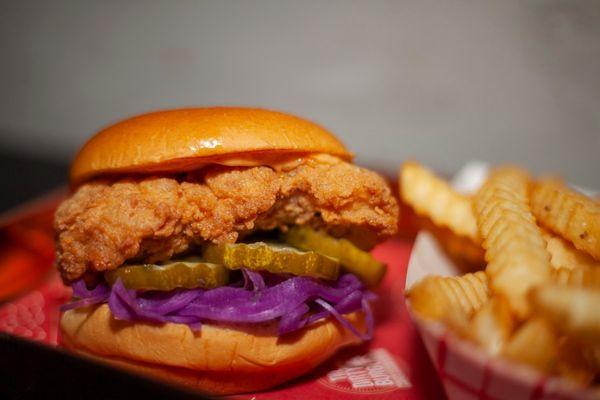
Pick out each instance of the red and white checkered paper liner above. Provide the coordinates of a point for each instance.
(36, 314)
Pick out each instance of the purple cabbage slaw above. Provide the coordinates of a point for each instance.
(295, 302)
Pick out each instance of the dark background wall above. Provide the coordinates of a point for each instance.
(442, 81)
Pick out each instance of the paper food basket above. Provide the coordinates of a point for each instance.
(466, 371)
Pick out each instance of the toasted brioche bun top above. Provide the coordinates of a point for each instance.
(185, 139)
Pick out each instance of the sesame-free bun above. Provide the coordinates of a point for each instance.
(185, 139)
(219, 359)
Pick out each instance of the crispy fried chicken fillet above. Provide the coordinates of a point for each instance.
(106, 223)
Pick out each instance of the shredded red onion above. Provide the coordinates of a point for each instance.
(89, 301)
(294, 320)
(328, 307)
(254, 278)
(294, 302)
(81, 290)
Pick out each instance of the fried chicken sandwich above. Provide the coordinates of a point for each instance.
(221, 248)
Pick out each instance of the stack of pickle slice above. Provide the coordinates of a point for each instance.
(303, 252)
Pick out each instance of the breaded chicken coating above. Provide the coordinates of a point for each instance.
(149, 219)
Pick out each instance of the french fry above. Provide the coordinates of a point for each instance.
(433, 197)
(514, 246)
(574, 311)
(564, 255)
(579, 276)
(534, 343)
(543, 282)
(492, 325)
(592, 356)
(574, 363)
(437, 297)
(568, 213)
(468, 255)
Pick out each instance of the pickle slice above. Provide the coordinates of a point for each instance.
(354, 260)
(273, 257)
(188, 273)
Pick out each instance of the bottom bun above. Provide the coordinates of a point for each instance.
(219, 359)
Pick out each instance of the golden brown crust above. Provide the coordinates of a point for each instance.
(219, 358)
(106, 223)
(185, 139)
